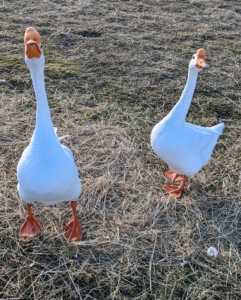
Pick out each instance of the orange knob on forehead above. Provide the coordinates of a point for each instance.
(201, 52)
(31, 34)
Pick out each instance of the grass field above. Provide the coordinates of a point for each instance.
(113, 70)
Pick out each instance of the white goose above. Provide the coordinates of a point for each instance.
(46, 171)
(185, 147)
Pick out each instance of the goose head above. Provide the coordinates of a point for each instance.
(33, 52)
(198, 61)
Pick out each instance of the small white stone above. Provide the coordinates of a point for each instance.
(183, 262)
(212, 251)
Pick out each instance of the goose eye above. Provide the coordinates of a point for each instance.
(193, 57)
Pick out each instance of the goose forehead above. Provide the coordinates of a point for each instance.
(31, 34)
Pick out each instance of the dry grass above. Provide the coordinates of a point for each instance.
(113, 69)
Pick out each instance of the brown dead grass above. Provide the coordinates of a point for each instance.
(113, 69)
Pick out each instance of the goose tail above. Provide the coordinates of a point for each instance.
(218, 128)
(61, 137)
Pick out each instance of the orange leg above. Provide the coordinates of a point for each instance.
(174, 190)
(73, 230)
(31, 225)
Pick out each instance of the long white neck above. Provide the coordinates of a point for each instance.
(180, 110)
(44, 127)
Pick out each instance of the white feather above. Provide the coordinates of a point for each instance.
(212, 251)
(60, 138)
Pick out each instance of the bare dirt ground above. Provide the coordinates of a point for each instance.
(113, 70)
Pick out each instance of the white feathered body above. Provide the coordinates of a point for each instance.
(186, 148)
(47, 174)
(46, 171)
